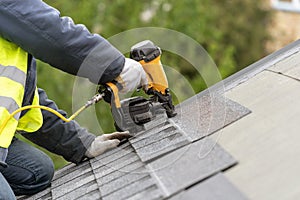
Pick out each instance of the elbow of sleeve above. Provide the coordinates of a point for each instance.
(102, 64)
(113, 70)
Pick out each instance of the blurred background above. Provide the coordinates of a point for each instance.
(235, 33)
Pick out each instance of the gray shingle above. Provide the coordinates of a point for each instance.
(132, 168)
(82, 191)
(150, 132)
(118, 153)
(74, 172)
(115, 165)
(121, 182)
(147, 194)
(93, 195)
(214, 188)
(160, 119)
(202, 114)
(66, 170)
(161, 147)
(125, 177)
(68, 187)
(131, 189)
(189, 165)
(159, 141)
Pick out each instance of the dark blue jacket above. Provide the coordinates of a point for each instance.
(39, 30)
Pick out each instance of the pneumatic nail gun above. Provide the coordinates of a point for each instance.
(135, 114)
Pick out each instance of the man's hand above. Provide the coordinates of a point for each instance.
(132, 76)
(105, 142)
(3, 155)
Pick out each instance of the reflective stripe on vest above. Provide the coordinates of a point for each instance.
(13, 69)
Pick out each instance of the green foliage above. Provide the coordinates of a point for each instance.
(57, 84)
(232, 32)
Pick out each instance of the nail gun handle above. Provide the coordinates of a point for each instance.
(111, 94)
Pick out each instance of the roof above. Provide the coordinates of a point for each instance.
(162, 162)
(267, 143)
(230, 144)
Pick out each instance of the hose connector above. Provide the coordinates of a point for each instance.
(94, 100)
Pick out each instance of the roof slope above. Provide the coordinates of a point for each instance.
(173, 157)
(267, 143)
(179, 158)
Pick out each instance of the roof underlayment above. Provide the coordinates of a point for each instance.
(236, 144)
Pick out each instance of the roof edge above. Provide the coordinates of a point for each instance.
(255, 68)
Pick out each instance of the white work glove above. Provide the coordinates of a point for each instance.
(132, 76)
(105, 142)
(3, 155)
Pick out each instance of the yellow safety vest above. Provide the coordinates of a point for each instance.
(13, 70)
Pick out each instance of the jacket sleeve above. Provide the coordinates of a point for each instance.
(67, 139)
(38, 29)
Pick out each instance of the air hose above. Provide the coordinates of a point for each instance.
(90, 102)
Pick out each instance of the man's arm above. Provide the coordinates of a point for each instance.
(63, 138)
(39, 29)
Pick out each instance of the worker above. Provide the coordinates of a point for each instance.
(28, 29)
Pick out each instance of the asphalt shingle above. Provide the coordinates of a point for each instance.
(214, 188)
(82, 181)
(81, 170)
(159, 141)
(83, 191)
(189, 165)
(121, 182)
(116, 165)
(134, 167)
(151, 192)
(133, 189)
(126, 172)
(90, 196)
(112, 155)
(203, 115)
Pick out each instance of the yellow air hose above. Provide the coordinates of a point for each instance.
(92, 101)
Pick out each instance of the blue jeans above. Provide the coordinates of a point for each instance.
(29, 171)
